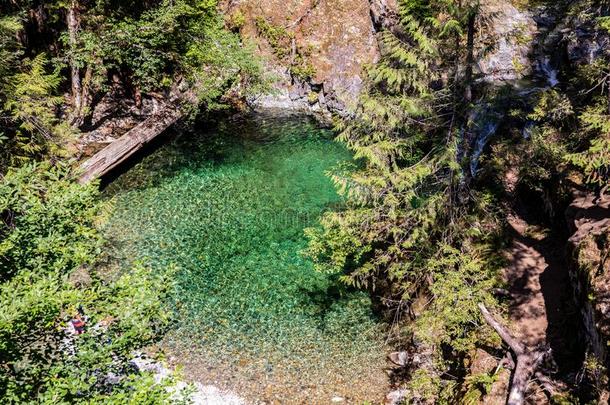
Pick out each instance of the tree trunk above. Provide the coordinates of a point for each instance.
(78, 101)
(124, 147)
(521, 377)
(86, 96)
(137, 97)
(472, 15)
(527, 360)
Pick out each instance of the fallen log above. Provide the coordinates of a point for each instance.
(124, 147)
(527, 362)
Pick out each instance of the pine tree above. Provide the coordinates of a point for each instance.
(32, 101)
(404, 130)
(402, 233)
(593, 134)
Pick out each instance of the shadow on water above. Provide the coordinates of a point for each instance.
(227, 207)
(207, 142)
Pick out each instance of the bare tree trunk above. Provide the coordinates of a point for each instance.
(87, 95)
(157, 122)
(470, 55)
(527, 360)
(73, 21)
(124, 147)
(137, 96)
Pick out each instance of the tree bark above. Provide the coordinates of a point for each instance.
(472, 15)
(527, 360)
(506, 336)
(124, 147)
(73, 22)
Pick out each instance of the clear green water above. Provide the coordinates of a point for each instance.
(228, 209)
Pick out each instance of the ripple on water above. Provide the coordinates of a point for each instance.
(228, 208)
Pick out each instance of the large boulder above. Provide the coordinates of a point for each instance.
(506, 42)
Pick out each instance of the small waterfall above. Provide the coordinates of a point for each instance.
(483, 124)
(485, 128)
(547, 70)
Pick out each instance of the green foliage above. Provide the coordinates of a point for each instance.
(570, 126)
(400, 202)
(461, 279)
(236, 20)
(604, 23)
(32, 102)
(184, 38)
(551, 106)
(425, 387)
(590, 151)
(278, 37)
(596, 373)
(49, 222)
(49, 244)
(594, 162)
(9, 48)
(477, 386)
(402, 235)
(541, 160)
(144, 47)
(282, 43)
(28, 102)
(302, 68)
(218, 63)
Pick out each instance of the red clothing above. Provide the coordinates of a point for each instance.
(79, 325)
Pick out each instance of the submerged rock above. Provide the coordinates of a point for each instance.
(396, 397)
(399, 358)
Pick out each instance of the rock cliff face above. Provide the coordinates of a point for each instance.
(318, 48)
(580, 42)
(507, 44)
(589, 251)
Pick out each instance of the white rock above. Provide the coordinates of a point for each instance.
(203, 394)
(395, 397)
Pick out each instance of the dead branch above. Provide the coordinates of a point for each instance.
(551, 387)
(528, 360)
(506, 336)
(163, 116)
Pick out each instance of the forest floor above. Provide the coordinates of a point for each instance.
(537, 279)
(541, 309)
(528, 311)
